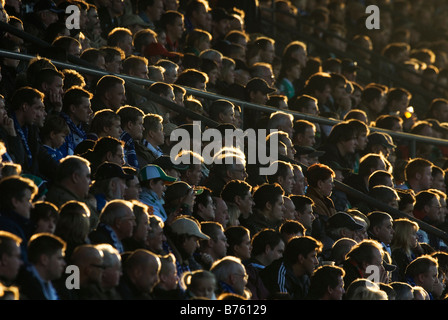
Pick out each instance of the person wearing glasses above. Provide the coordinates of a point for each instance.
(231, 276)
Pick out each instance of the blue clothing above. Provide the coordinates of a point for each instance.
(75, 136)
(100, 201)
(47, 287)
(150, 198)
(129, 150)
(20, 226)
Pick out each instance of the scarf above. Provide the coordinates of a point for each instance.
(23, 134)
(74, 129)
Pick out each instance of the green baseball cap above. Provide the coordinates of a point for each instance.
(152, 171)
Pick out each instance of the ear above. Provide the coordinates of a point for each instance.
(268, 206)
(280, 180)
(109, 156)
(237, 200)
(72, 108)
(44, 260)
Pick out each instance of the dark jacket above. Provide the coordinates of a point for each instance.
(20, 226)
(129, 291)
(257, 221)
(58, 195)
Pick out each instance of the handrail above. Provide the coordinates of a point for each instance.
(135, 87)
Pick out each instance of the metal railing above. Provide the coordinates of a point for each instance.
(135, 84)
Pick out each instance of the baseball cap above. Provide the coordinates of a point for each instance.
(165, 163)
(349, 65)
(380, 138)
(50, 5)
(108, 170)
(179, 189)
(152, 171)
(343, 220)
(185, 225)
(336, 166)
(310, 151)
(219, 14)
(258, 84)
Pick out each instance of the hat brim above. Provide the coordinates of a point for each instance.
(388, 266)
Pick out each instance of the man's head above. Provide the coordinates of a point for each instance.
(132, 121)
(76, 104)
(222, 111)
(143, 269)
(74, 173)
(46, 253)
(136, 66)
(418, 174)
(111, 91)
(16, 194)
(217, 245)
(10, 257)
(119, 215)
(381, 226)
(303, 210)
(302, 253)
(268, 200)
(153, 129)
(284, 176)
(204, 206)
(240, 193)
(231, 271)
(28, 105)
(327, 282)
(423, 271)
(281, 121)
(257, 90)
(122, 38)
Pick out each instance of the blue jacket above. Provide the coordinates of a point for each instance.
(150, 198)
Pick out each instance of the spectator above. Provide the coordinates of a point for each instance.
(109, 93)
(10, 254)
(269, 206)
(135, 284)
(231, 276)
(76, 111)
(110, 184)
(404, 246)
(423, 272)
(132, 124)
(182, 236)
(300, 258)
(47, 263)
(141, 228)
(153, 180)
(73, 225)
(327, 283)
(16, 198)
(214, 248)
(117, 222)
(148, 149)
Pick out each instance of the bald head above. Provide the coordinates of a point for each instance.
(143, 267)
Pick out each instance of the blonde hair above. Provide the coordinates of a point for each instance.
(403, 227)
